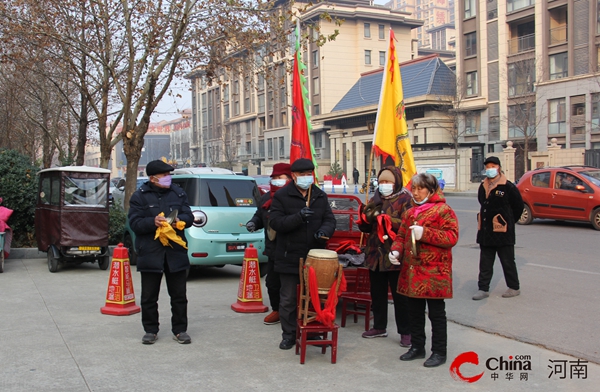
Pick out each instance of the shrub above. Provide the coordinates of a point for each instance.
(116, 224)
(18, 188)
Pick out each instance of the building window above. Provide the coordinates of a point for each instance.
(281, 147)
(248, 148)
(316, 110)
(282, 98)
(469, 8)
(226, 93)
(261, 148)
(382, 31)
(315, 58)
(513, 5)
(315, 86)
(471, 125)
(284, 119)
(381, 58)
(367, 30)
(270, 148)
(521, 76)
(471, 44)
(270, 100)
(557, 124)
(522, 121)
(260, 85)
(367, 57)
(318, 140)
(559, 66)
(261, 103)
(226, 111)
(471, 83)
(595, 112)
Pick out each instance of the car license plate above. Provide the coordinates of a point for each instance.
(89, 248)
(236, 247)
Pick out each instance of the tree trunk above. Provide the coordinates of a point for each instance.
(82, 132)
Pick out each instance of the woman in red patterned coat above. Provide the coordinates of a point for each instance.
(426, 276)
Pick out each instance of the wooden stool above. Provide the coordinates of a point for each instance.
(316, 329)
(359, 298)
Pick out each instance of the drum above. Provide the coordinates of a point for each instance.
(326, 265)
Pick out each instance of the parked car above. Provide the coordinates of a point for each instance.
(263, 182)
(221, 204)
(561, 193)
(118, 193)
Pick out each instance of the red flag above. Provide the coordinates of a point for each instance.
(301, 146)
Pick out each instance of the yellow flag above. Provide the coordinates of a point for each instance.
(391, 133)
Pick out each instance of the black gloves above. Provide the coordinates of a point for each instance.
(320, 235)
(306, 213)
(251, 227)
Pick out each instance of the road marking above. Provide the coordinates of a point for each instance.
(563, 269)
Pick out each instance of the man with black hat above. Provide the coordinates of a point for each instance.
(154, 197)
(280, 177)
(501, 206)
(303, 220)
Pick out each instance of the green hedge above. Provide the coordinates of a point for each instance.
(18, 188)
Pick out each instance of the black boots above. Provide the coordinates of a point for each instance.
(413, 353)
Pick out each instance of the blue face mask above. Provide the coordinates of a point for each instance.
(278, 183)
(386, 189)
(304, 182)
(492, 172)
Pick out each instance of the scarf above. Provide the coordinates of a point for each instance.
(274, 189)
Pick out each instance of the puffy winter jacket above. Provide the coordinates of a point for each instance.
(145, 204)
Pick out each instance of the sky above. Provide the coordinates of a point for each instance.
(170, 106)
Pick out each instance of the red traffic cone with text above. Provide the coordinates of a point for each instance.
(120, 299)
(249, 299)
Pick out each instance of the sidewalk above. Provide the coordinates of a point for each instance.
(55, 339)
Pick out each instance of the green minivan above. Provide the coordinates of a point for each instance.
(222, 202)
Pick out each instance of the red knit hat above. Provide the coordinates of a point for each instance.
(281, 168)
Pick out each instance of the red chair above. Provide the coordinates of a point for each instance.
(308, 327)
(359, 298)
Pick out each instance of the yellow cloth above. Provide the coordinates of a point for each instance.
(391, 133)
(166, 232)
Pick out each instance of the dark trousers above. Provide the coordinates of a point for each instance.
(273, 284)
(437, 316)
(176, 287)
(288, 305)
(487, 256)
(380, 281)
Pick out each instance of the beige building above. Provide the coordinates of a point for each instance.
(528, 74)
(437, 17)
(246, 123)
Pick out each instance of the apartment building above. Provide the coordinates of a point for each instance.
(245, 120)
(437, 17)
(528, 73)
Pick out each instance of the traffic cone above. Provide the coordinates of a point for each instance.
(249, 299)
(120, 299)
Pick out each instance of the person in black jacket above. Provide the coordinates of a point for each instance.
(501, 206)
(302, 217)
(280, 177)
(154, 259)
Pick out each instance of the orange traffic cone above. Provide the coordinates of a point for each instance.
(120, 299)
(249, 298)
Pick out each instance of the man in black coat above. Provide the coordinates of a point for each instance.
(280, 177)
(154, 259)
(302, 217)
(501, 206)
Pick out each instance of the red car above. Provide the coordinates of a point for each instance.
(562, 193)
(263, 183)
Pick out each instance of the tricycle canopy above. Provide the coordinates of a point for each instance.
(72, 209)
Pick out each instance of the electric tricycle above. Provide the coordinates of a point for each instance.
(71, 215)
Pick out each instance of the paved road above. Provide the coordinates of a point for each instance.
(559, 271)
(54, 338)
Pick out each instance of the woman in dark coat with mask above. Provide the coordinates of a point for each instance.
(381, 220)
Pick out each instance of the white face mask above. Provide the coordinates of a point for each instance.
(304, 182)
(492, 172)
(386, 189)
(422, 201)
(278, 183)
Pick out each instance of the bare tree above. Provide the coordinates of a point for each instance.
(523, 101)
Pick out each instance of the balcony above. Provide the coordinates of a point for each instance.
(521, 44)
(558, 35)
